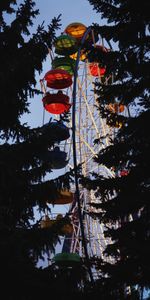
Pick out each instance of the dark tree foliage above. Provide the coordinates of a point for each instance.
(23, 152)
(127, 208)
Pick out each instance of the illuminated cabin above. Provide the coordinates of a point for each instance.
(56, 103)
(95, 70)
(65, 45)
(114, 123)
(64, 63)
(124, 172)
(116, 107)
(83, 56)
(76, 30)
(94, 66)
(58, 79)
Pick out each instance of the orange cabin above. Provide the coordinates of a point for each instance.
(64, 197)
(65, 229)
(76, 30)
(116, 107)
(47, 222)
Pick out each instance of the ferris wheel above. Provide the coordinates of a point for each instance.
(69, 87)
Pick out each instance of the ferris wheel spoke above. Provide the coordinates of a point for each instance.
(89, 111)
(104, 132)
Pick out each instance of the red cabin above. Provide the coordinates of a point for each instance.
(56, 103)
(124, 173)
(95, 70)
(58, 79)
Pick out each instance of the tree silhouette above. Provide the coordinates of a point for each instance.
(127, 207)
(25, 159)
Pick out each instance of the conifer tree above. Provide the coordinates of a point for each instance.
(24, 153)
(127, 208)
